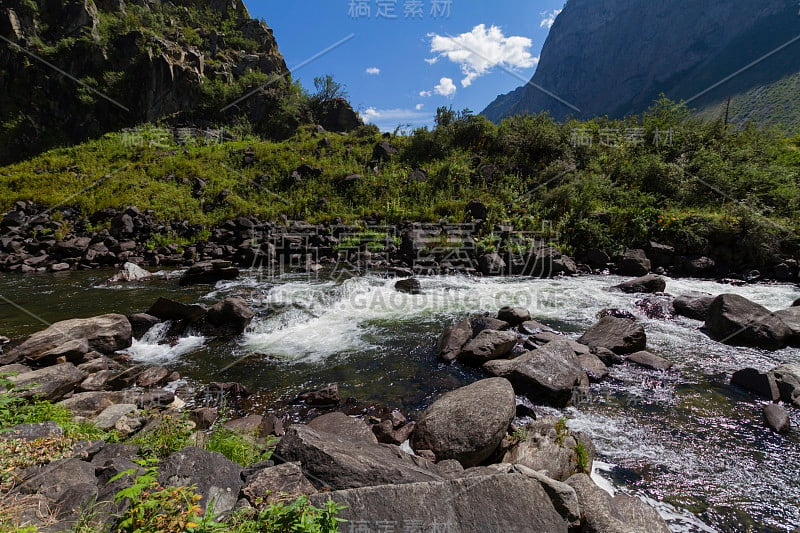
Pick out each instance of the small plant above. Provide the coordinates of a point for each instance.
(561, 430)
(488, 243)
(584, 461)
(520, 435)
(298, 516)
(242, 449)
(171, 434)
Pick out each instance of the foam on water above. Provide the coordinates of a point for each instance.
(152, 349)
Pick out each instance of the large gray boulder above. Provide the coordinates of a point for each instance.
(735, 320)
(791, 317)
(649, 360)
(216, 478)
(511, 503)
(335, 463)
(787, 379)
(602, 513)
(274, 484)
(49, 383)
(467, 424)
(549, 374)
(105, 334)
(694, 305)
(346, 427)
(488, 345)
(620, 335)
(646, 284)
(634, 263)
(453, 340)
(545, 450)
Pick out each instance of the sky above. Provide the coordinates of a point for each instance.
(401, 59)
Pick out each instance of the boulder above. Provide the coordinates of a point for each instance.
(649, 360)
(549, 374)
(165, 309)
(150, 377)
(91, 404)
(409, 286)
(467, 424)
(112, 414)
(248, 425)
(777, 418)
(130, 272)
(650, 283)
(735, 320)
(532, 327)
(656, 307)
(760, 383)
(545, 451)
(488, 345)
(337, 115)
(514, 316)
(620, 335)
(26, 432)
(634, 263)
(49, 383)
(322, 397)
(72, 351)
(796, 303)
(477, 210)
(787, 378)
(384, 151)
(204, 417)
(346, 427)
(453, 340)
(602, 513)
(491, 264)
(216, 478)
(548, 262)
(105, 334)
(277, 484)
(480, 323)
(332, 462)
(593, 366)
(227, 318)
(141, 324)
(209, 272)
(511, 503)
(67, 485)
(694, 305)
(791, 317)
(388, 433)
(608, 357)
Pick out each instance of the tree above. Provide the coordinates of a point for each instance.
(328, 89)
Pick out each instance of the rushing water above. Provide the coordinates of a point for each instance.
(683, 440)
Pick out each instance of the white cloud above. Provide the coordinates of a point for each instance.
(425, 94)
(389, 119)
(446, 87)
(373, 71)
(480, 50)
(419, 107)
(549, 18)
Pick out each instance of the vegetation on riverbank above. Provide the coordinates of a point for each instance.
(663, 176)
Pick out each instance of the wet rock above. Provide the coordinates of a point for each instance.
(548, 374)
(656, 307)
(409, 286)
(165, 309)
(646, 284)
(50, 383)
(616, 313)
(277, 484)
(548, 263)
(141, 324)
(791, 317)
(634, 263)
(228, 318)
(105, 334)
(593, 366)
(649, 360)
(796, 303)
(777, 418)
(480, 323)
(761, 383)
(130, 272)
(335, 463)
(323, 397)
(735, 320)
(694, 305)
(787, 378)
(346, 427)
(514, 315)
(467, 424)
(620, 335)
(209, 272)
(488, 345)
(608, 357)
(453, 339)
(532, 327)
(511, 503)
(491, 264)
(216, 478)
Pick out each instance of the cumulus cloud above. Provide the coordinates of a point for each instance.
(419, 107)
(446, 87)
(549, 18)
(425, 94)
(482, 49)
(373, 71)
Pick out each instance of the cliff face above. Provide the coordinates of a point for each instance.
(614, 57)
(139, 61)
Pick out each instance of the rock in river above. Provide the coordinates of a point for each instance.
(620, 335)
(735, 320)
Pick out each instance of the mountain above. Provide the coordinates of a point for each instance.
(615, 57)
(75, 69)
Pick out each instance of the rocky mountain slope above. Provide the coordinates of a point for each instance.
(614, 57)
(75, 69)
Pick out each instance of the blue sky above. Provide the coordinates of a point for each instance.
(399, 70)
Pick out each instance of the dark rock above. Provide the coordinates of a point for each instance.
(531, 327)
(514, 315)
(791, 317)
(272, 425)
(277, 484)
(491, 264)
(480, 323)
(596, 258)
(761, 383)
(735, 320)
(337, 115)
(152, 376)
(620, 335)
(796, 303)
(656, 307)
(548, 374)
(548, 262)
(331, 462)
(649, 360)
(477, 210)
(467, 424)
(165, 309)
(646, 284)
(608, 357)
(49, 383)
(384, 151)
(228, 318)
(216, 478)
(453, 340)
(387, 433)
(141, 324)
(209, 272)
(593, 366)
(694, 305)
(410, 286)
(700, 265)
(787, 378)
(67, 484)
(154, 399)
(511, 503)
(343, 426)
(488, 345)
(777, 418)
(616, 313)
(634, 263)
(26, 432)
(323, 397)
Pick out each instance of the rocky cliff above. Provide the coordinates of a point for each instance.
(614, 57)
(74, 69)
